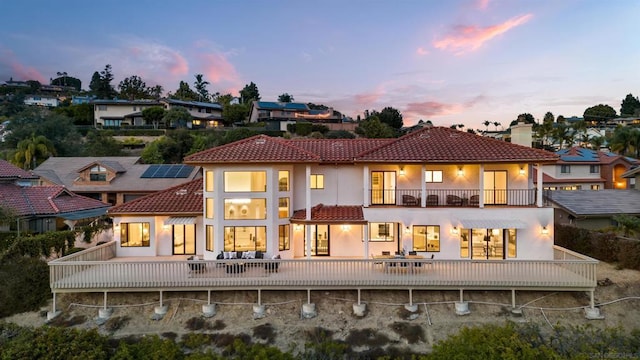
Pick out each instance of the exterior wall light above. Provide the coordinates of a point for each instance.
(522, 172)
(460, 171)
(402, 171)
(346, 227)
(544, 231)
(455, 230)
(407, 230)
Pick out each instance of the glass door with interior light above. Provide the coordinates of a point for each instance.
(383, 187)
(495, 187)
(319, 240)
(487, 244)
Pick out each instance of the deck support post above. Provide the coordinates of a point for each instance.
(209, 309)
(359, 309)
(161, 310)
(258, 309)
(411, 307)
(309, 309)
(592, 312)
(462, 307)
(514, 310)
(53, 313)
(105, 312)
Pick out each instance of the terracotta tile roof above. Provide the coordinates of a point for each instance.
(8, 170)
(182, 199)
(258, 148)
(331, 214)
(44, 200)
(339, 150)
(445, 145)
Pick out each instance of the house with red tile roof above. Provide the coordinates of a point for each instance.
(434, 192)
(586, 169)
(42, 208)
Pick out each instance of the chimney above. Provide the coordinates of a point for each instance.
(521, 133)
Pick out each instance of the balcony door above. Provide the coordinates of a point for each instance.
(184, 239)
(319, 240)
(383, 188)
(495, 187)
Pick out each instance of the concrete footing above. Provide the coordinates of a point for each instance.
(208, 310)
(359, 310)
(53, 314)
(593, 313)
(105, 313)
(258, 311)
(516, 311)
(462, 308)
(411, 307)
(309, 310)
(159, 312)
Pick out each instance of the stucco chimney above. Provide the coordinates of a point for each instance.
(521, 133)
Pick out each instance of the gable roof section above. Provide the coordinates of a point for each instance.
(112, 165)
(182, 199)
(331, 214)
(445, 145)
(10, 171)
(595, 203)
(338, 150)
(45, 200)
(258, 149)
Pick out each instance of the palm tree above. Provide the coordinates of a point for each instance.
(596, 142)
(486, 124)
(622, 140)
(561, 134)
(496, 124)
(32, 151)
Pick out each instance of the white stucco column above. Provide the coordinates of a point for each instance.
(307, 234)
(540, 185)
(423, 187)
(365, 187)
(365, 233)
(481, 186)
(308, 192)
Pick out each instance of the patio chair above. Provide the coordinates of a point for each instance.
(474, 200)
(272, 266)
(432, 200)
(454, 200)
(409, 200)
(195, 265)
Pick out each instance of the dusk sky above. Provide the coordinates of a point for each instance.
(450, 62)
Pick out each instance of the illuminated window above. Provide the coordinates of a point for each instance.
(245, 181)
(209, 239)
(283, 207)
(433, 176)
(98, 173)
(208, 180)
(245, 209)
(245, 238)
(511, 243)
(184, 239)
(595, 187)
(426, 238)
(283, 180)
(134, 235)
(382, 231)
(283, 237)
(209, 208)
(464, 243)
(317, 181)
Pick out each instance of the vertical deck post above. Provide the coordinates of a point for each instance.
(410, 306)
(105, 312)
(592, 312)
(359, 309)
(53, 313)
(208, 297)
(209, 309)
(462, 307)
(514, 310)
(309, 309)
(104, 305)
(161, 310)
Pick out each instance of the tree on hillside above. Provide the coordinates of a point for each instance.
(57, 128)
(201, 88)
(134, 87)
(184, 93)
(64, 79)
(33, 151)
(560, 119)
(177, 117)
(101, 86)
(548, 117)
(599, 113)
(285, 98)
(234, 113)
(154, 115)
(249, 93)
(80, 114)
(630, 106)
(99, 144)
(391, 117)
(373, 128)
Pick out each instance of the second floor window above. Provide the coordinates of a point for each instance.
(283, 180)
(245, 209)
(594, 169)
(245, 181)
(208, 180)
(565, 169)
(98, 173)
(433, 176)
(317, 181)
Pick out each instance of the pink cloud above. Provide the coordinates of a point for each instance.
(432, 108)
(368, 99)
(482, 4)
(218, 69)
(421, 51)
(20, 71)
(469, 38)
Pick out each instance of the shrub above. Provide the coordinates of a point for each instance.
(24, 284)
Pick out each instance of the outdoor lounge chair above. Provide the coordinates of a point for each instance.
(195, 265)
(454, 200)
(272, 266)
(432, 200)
(474, 200)
(409, 200)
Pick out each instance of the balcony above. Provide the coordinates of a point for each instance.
(97, 269)
(453, 197)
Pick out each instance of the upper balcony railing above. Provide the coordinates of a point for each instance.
(453, 197)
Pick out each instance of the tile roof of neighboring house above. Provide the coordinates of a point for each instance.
(193, 103)
(632, 172)
(272, 105)
(331, 214)
(601, 202)
(434, 144)
(10, 171)
(45, 200)
(581, 155)
(65, 170)
(260, 148)
(182, 199)
(548, 179)
(125, 102)
(112, 165)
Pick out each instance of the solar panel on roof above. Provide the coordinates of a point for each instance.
(167, 171)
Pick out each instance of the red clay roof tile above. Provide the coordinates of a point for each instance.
(182, 199)
(331, 214)
(44, 200)
(8, 170)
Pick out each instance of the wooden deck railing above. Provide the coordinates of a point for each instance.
(141, 275)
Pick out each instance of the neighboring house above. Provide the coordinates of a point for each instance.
(42, 100)
(277, 115)
(42, 208)
(113, 179)
(594, 209)
(585, 169)
(205, 115)
(116, 113)
(633, 175)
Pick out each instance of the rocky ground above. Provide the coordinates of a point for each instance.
(386, 322)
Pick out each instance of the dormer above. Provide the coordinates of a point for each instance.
(99, 173)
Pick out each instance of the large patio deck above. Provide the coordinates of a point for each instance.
(98, 270)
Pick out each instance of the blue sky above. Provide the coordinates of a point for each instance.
(450, 62)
